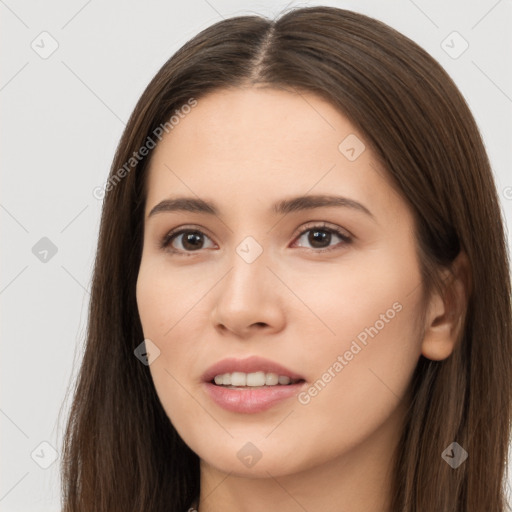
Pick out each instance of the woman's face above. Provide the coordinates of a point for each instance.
(260, 273)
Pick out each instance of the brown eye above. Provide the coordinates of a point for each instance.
(190, 240)
(320, 237)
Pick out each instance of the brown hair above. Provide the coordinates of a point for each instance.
(120, 451)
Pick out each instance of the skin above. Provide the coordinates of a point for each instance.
(244, 149)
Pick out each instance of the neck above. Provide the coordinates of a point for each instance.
(359, 480)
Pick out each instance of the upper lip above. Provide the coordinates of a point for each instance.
(248, 365)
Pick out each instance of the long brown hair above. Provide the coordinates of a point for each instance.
(120, 451)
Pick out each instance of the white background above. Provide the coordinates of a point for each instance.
(62, 118)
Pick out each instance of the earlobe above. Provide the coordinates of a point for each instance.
(444, 321)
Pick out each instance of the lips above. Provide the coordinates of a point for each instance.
(245, 400)
(248, 365)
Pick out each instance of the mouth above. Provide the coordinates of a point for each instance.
(250, 385)
(252, 371)
(254, 380)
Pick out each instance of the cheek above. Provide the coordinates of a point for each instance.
(358, 378)
(163, 307)
(361, 395)
(371, 365)
(371, 298)
(166, 309)
(164, 297)
(362, 372)
(150, 297)
(367, 309)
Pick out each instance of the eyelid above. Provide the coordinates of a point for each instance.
(321, 224)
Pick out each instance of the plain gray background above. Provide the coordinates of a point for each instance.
(63, 115)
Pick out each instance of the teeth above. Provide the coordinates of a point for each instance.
(284, 380)
(271, 379)
(238, 379)
(256, 379)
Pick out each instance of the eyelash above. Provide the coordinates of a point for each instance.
(169, 237)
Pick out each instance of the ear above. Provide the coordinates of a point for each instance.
(446, 312)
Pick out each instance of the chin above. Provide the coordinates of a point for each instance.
(261, 469)
(258, 459)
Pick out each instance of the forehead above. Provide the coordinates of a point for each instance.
(249, 119)
(251, 146)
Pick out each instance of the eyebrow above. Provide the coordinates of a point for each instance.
(285, 206)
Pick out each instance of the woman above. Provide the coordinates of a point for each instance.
(301, 296)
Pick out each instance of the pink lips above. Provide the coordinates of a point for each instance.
(250, 399)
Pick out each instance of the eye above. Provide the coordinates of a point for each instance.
(320, 237)
(191, 242)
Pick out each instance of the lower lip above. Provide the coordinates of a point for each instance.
(251, 400)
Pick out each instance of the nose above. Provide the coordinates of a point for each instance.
(249, 299)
